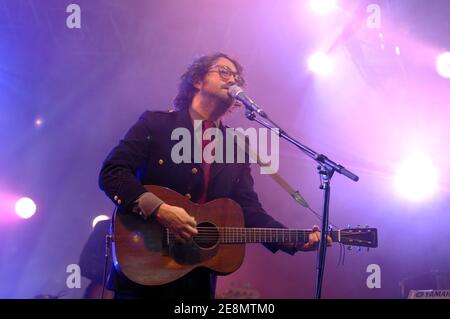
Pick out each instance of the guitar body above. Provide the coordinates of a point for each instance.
(146, 252)
(143, 252)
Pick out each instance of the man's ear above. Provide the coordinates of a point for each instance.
(198, 84)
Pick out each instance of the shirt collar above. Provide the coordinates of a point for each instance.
(196, 116)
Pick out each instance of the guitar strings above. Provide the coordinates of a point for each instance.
(249, 237)
(235, 234)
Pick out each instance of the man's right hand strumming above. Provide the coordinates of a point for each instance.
(180, 224)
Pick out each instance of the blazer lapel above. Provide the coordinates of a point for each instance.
(184, 120)
(217, 168)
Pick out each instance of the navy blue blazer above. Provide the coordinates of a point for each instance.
(143, 157)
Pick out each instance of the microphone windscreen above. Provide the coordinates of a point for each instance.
(234, 90)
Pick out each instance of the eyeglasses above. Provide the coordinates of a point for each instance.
(225, 73)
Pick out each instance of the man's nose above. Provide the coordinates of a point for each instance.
(231, 81)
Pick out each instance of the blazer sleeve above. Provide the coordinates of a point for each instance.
(254, 214)
(118, 173)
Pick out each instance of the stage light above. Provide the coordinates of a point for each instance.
(99, 218)
(320, 63)
(416, 178)
(322, 6)
(38, 122)
(25, 207)
(443, 65)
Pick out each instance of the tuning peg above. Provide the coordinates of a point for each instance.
(348, 226)
(349, 247)
(359, 248)
(368, 249)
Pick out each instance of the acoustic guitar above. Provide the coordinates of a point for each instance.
(147, 253)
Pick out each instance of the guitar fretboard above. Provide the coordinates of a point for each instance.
(236, 235)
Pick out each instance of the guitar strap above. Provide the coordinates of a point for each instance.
(274, 175)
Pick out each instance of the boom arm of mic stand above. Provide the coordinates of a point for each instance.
(319, 158)
(326, 170)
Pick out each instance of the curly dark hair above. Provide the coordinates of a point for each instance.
(196, 71)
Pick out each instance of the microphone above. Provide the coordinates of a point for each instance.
(238, 93)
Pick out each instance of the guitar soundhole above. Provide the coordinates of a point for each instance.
(208, 235)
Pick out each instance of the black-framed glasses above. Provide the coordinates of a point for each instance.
(226, 73)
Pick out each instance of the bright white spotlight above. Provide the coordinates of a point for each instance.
(99, 218)
(322, 6)
(320, 63)
(443, 65)
(38, 122)
(416, 178)
(25, 207)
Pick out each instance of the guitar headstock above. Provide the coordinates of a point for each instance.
(362, 237)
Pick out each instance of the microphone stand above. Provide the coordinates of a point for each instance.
(326, 169)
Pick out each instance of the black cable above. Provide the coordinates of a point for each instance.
(108, 239)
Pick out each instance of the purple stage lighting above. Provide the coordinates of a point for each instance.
(25, 207)
(443, 65)
(416, 178)
(99, 218)
(320, 64)
(322, 7)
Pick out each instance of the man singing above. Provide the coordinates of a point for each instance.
(143, 157)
